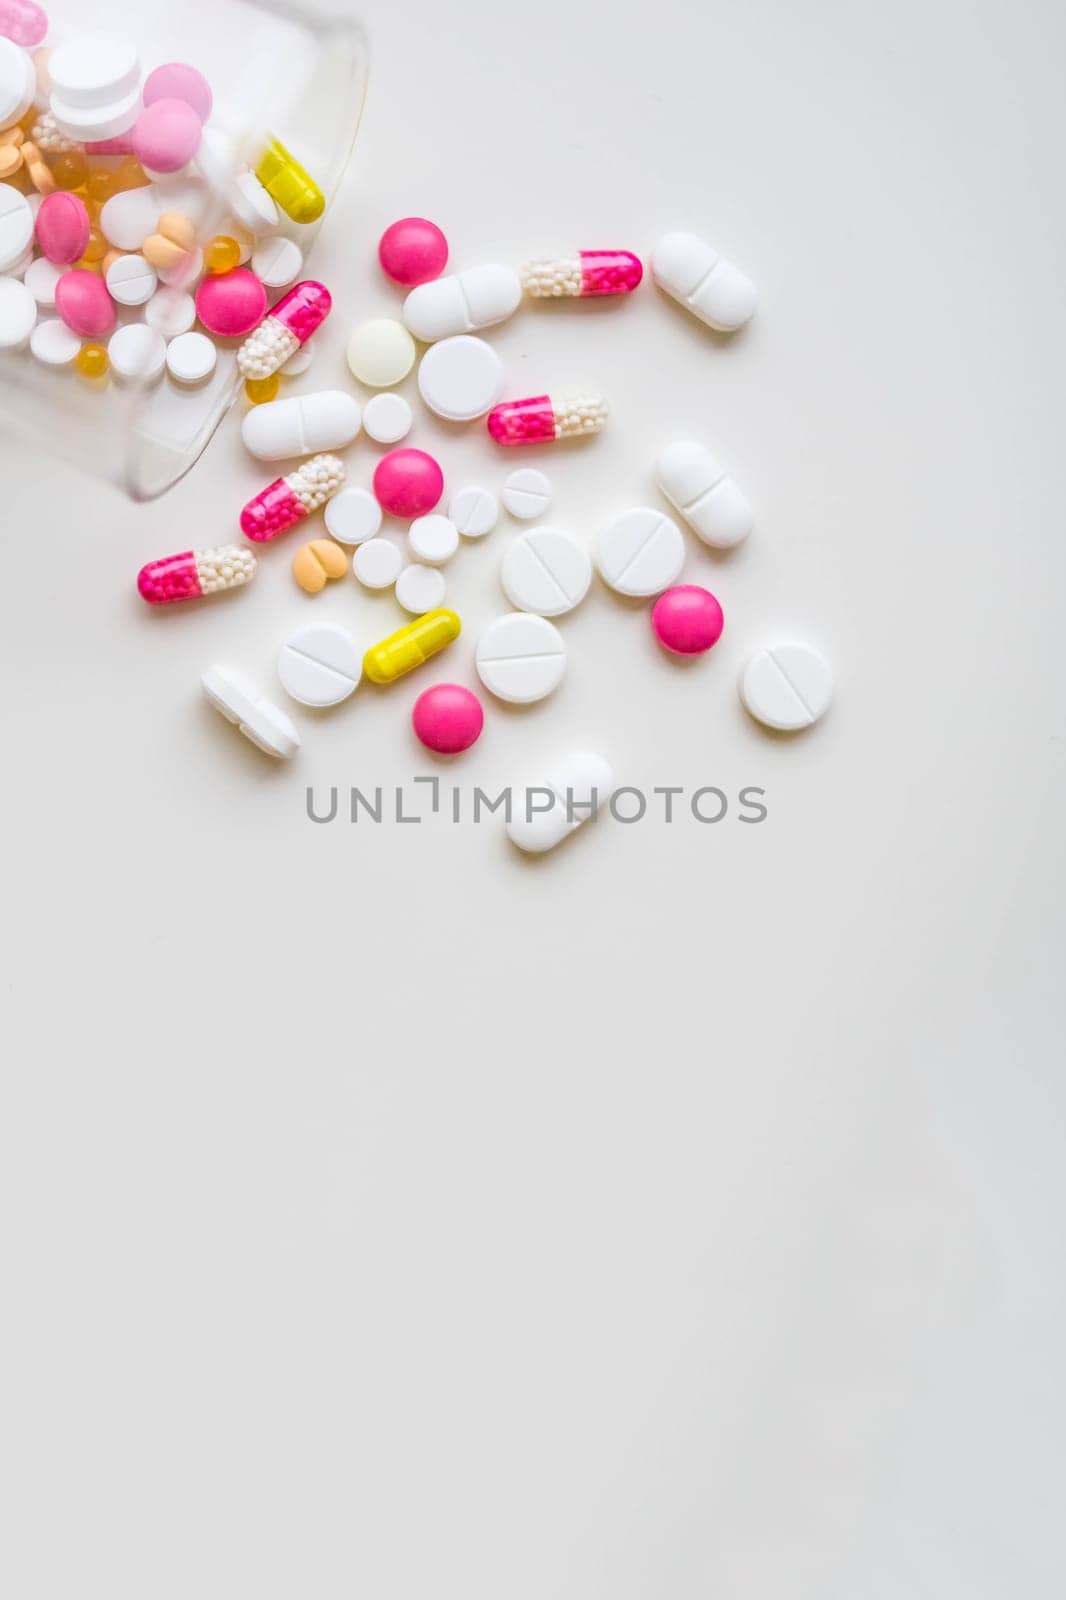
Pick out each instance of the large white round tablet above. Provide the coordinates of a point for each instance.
(474, 510)
(137, 353)
(170, 312)
(787, 686)
(421, 589)
(320, 665)
(131, 280)
(377, 564)
(546, 571)
(521, 658)
(641, 552)
(191, 357)
(41, 278)
(53, 343)
(387, 418)
(460, 379)
(380, 353)
(277, 262)
(16, 226)
(353, 516)
(304, 426)
(258, 718)
(129, 217)
(18, 313)
(527, 493)
(434, 538)
(18, 82)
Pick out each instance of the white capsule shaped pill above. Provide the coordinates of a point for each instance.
(787, 686)
(462, 302)
(543, 814)
(304, 426)
(700, 490)
(701, 280)
(258, 718)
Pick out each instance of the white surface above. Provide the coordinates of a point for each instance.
(521, 658)
(381, 352)
(320, 665)
(669, 1290)
(545, 570)
(640, 553)
(461, 378)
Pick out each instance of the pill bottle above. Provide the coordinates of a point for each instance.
(288, 71)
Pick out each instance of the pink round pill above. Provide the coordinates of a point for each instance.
(413, 251)
(408, 483)
(84, 304)
(63, 227)
(231, 304)
(176, 81)
(687, 620)
(166, 135)
(448, 718)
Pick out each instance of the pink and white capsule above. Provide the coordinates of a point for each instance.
(287, 501)
(285, 329)
(541, 419)
(193, 573)
(590, 272)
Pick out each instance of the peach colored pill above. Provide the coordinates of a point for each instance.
(173, 240)
(315, 563)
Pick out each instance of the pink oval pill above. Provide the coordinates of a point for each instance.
(231, 304)
(23, 22)
(408, 483)
(84, 304)
(413, 251)
(177, 81)
(166, 135)
(63, 227)
(687, 620)
(448, 718)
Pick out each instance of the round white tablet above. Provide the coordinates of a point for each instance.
(387, 418)
(131, 280)
(16, 226)
(420, 589)
(641, 552)
(787, 686)
(434, 538)
(461, 378)
(277, 261)
(18, 313)
(137, 353)
(521, 658)
(53, 343)
(527, 493)
(41, 278)
(377, 564)
(300, 360)
(130, 216)
(380, 353)
(320, 665)
(475, 511)
(191, 357)
(170, 312)
(353, 516)
(546, 571)
(18, 82)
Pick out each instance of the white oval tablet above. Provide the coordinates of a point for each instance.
(170, 312)
(300, 360)
(129, 217)
(131, 280)
(277, 262)
(18, 313)
(137, 353)
(16, 226)
(191, 357)
(304, 426)
(377, 564)
(474, 510)
(91, 69)
(462, 302)
(54, 344)
(546, 571)
(434, 538)
(387, 418)
(641, 552)
(527, 494)
(699, 489)
(258, 718)
(18, 82)
(421, 589)
(353, 516)
(320, 665)
(701, 280)
(787, 686)
(579, 786)
(521, 658)
(461, 378)
(380, 353)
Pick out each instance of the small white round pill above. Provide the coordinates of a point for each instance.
(137, 353)
(380, 353)
(41, 278)
(641, 552)
(320, 665)
(521, 658)
(18, 313)
(300, 360)
(53, 343)
(277, 262)
(420, 589)
(474, 510)
(527, 493)
(353, 516)
(377, 564)
(546, 571)
(787, 686)
(170, 312)
(387, 418)
(460, 378)
(191, 357)
(434, 538)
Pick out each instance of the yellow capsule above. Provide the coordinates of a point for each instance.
(222, 254)
(92, 361)
(70, 170)
(407, 648)
(283, 178)
(260, 390)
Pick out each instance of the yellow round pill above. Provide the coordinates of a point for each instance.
(260, 390)
(222, 254)
(91, 361)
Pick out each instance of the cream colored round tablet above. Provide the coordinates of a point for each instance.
(787, 686)
(381, 353)
(377, 564)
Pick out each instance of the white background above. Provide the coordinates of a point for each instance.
(384, 1214)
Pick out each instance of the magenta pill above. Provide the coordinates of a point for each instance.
(408, 483)
(687, 620)
(63, 227)
(177, 81)
(448, 718)
(166, 136)
(84, 304)
(413, 251)
(231, 304)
